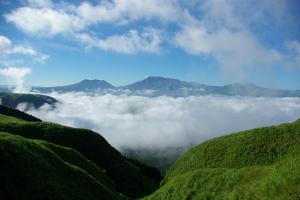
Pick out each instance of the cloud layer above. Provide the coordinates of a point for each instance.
(165, 122)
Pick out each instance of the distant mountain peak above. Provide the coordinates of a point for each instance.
(156, 78)
(92, 81)
(157, 83)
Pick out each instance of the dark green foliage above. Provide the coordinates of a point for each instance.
(75, 158)
(127, 178)
(4, 118)
(147, 170)
(30, 170)
(261, 163)
(18, 114)
(12, 100)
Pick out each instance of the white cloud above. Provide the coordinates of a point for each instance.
(73, 22)
(16, 77)
(294, 47)
(40, 3)
(44, 21)
(129, 10)
(8, 48)
(224, 33)
(218, 28)
(133, 42)
(5, 44)
(164, 122)
(48, 21)
(233, 50)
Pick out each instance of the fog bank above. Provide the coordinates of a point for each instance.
(162, 122)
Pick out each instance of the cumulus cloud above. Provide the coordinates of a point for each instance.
(40, 3)
(228, 31)
(8, 48)
(147, 41)
(294, 47)
(16, 77)
(233, 50)
(135, 122)
(44, 21)
(224, 32)
(48, 21)
(129, 10)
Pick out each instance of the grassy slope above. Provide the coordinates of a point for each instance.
(261, 163)
(127, 178)
(17, 114)
(12, 100)
(31, 170)
(75, 158)
(4, 118)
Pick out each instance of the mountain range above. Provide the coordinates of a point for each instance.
(153, 86)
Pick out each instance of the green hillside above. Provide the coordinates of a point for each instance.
(262, 163)
(4, 118)
(12, 100)
(31, 170)
(40, 160)
(87, 150)
(16, 114)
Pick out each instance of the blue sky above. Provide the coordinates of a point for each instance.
(209, 41)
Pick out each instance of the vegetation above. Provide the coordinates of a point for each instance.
(120, 174)
(261, 163)
(17, 114)
(12, 100)
(4, 118)
(30, 170)
(42, 160)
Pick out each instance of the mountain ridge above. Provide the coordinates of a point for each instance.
(85, 85)
(157, 86)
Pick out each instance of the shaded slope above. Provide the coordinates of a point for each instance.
(12, 100)
(30, 170)
(127, 178)
(4, 118)
(17, 114)
(261, 163)
(75, 158)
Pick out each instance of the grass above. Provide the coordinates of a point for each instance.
(42, 160)
(125, 177)
(12, 100)
(5, 111)
(7, 119)
(261, 163)
(30, 170)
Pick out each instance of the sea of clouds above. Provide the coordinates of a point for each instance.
(162, 122)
